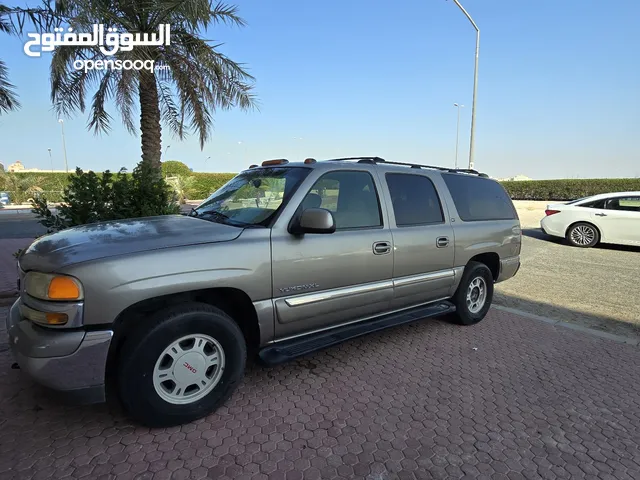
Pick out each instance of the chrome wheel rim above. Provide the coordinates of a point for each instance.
(583, 235)
(476, 294)
(188, 369)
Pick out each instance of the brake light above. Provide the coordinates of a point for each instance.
(551, 212)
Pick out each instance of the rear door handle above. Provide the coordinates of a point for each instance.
(381, 248)
(442, 242)
(601, 214)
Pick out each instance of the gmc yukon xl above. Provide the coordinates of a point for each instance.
(285, 259)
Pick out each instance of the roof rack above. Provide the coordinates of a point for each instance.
(376, 160)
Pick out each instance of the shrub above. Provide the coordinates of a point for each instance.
(173, 168)
(568, 189)
(92, 197)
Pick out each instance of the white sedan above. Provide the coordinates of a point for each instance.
(604, 218)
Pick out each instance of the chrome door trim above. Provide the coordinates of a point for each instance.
(423, 277)
(309, 298)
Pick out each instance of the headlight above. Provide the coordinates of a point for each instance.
(47, 286)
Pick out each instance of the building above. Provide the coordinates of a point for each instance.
(516, 178)
(18, 167)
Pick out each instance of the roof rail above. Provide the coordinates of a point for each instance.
(376, 160)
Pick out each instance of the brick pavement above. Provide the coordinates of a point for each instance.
(533, 401)
(8, 273)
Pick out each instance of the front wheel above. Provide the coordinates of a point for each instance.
(180, 365)
(474, 295)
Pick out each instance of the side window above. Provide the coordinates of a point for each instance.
(479, 198)
(594, 204)
(624, 204)
(350, 196)
(415, 200)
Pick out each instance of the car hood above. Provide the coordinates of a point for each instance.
(121, 237)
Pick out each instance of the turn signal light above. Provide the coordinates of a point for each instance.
(63, 288)
(551, 212)
(281, 161)
(307, 161)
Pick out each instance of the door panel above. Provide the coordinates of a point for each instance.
(326, 279)
(423, 240)
(619, 220)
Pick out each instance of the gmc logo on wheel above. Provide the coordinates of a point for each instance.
(189, 367)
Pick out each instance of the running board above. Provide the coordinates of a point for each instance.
(287, 350)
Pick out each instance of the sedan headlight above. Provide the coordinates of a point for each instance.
(49, 286)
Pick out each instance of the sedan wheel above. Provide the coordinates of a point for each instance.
(583, 235)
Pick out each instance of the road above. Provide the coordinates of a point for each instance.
(20, 226)
(594, 287)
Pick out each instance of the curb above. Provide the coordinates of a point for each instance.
(572, 326)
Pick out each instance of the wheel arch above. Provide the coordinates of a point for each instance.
(491, 260)
(234, 302)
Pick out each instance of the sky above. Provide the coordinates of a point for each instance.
(558, 90)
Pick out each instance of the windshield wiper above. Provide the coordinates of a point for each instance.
(213, 213)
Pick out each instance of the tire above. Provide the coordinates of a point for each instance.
(583, 235)
(146, 373)
(476, 278)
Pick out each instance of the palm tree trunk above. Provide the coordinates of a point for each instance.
(151, 131)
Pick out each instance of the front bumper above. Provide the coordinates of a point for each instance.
(72, 361)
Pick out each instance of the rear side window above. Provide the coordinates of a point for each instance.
(479, 198)
(415, 200)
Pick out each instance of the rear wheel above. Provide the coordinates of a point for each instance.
(180, 365)
(474, 295)
(583, 235)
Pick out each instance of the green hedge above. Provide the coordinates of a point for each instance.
(207, 183)
(555, 190)
(568, 189)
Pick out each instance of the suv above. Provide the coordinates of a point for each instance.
(283, 260)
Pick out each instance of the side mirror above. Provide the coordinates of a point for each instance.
(314, 220)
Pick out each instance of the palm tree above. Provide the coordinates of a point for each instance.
(192, 79)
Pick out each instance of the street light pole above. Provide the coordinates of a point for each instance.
(475, 84)
(50, 159)
(457, 131)
(64, 147)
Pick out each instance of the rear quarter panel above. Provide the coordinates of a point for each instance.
(503, 237)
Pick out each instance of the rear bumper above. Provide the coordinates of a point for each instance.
(71, 361)
(551, 227)
(508, 268)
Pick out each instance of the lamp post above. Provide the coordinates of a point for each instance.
(64, 146)
(458, 106)
(475, 84)
(165, 151)
(50, 159)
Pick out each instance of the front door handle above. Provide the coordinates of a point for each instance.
(601, 214)
(381, 248)
(442, 242)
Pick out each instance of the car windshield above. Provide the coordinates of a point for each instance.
(253, 197)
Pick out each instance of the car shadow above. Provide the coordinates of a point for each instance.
(538, 234)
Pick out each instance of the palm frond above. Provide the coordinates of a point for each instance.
(100, 118)
(125, 98)
(8, 96)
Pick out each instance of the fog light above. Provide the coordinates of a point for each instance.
(42, 318)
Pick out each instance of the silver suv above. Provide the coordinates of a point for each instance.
(284, 260)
